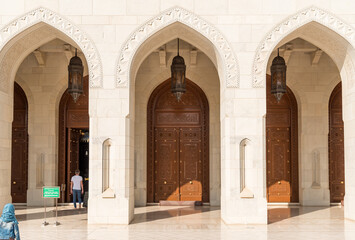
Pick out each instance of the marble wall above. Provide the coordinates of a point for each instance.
(238, 37)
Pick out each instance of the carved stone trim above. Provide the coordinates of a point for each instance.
(286, 27)
(166, 18)
(63, 25)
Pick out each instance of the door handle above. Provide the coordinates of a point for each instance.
(190, 182)
(164, 182)
(279, 182)
(13, 182)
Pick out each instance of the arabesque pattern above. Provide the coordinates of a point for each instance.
(166, 18)
(63, 25)
(281, 31)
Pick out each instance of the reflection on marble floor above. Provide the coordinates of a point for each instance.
(181, 222)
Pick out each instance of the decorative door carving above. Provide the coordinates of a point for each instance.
(72, 117)
(178, 161)
(281, 145)
(166, 164)
(190, 164)
(336, 146)
(19, 152)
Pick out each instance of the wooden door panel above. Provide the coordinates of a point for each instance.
(278, 165)
(336, 146)
(19, 147)
(166, 165)
(73, 156)
(19, 166)
(278, 117)
(281, 146)
(190, 164)
(20, 118)
(336, 165)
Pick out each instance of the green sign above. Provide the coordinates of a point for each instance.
(51, 192)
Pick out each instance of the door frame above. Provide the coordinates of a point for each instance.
(158, 91)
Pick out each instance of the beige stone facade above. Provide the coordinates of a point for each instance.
(127, 48)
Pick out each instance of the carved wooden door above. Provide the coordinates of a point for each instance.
(281, 147)
(19, 153)
(166, 164)
(336, 146)
(278, 158)
(190, 164)
(178, 166)
(73, 154)
(178, 162)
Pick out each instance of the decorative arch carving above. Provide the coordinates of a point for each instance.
(63, 25)
(166, 18)
(312, 14)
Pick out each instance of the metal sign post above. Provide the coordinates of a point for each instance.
(45, 223)
(56, 213)
(51, 192)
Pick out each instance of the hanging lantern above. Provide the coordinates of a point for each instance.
(278, 77)
(75, 77)
(178, 81)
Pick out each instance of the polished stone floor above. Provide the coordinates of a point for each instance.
(179, 222)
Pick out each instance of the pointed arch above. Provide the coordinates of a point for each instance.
(43, 15)
(282, 30)
(224, 51)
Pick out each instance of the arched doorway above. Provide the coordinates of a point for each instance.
(19, 153)
(336, 146)
(73, 140)
(281, 145)
(178, 152)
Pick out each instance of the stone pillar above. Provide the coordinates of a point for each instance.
(109, 118)
(5, 148)
(242, 117)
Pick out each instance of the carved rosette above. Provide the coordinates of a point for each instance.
(64, 26)
(291, 24)
(166, 18)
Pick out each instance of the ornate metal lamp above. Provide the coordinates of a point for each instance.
(278, 76)
(178, 81)
(75, 77)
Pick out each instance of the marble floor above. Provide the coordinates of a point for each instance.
(181, 222)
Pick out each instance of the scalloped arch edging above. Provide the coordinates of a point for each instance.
(63, 25)
(164, 19)
(312, 14)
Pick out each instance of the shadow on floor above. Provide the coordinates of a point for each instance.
(170, 213)
(278, 214)
(50, 214)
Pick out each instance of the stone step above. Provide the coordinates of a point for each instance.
(180, 203)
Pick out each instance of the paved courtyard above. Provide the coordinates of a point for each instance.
(180, 222)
